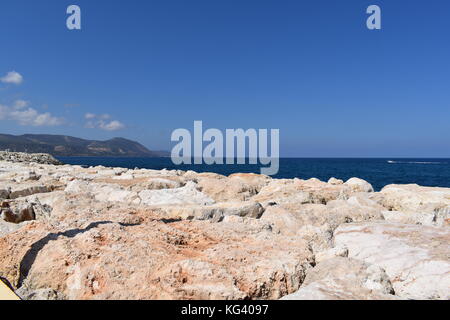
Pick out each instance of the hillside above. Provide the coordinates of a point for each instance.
(66, 146)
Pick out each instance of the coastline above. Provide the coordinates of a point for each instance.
(69, 232)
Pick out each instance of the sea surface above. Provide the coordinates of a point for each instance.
(379, 172)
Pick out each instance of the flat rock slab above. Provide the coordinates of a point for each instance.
(411, 197)
(416, 258)
(340, 278)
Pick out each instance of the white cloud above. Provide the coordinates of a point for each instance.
(112, 125)
(12, 77)
(90, 116)
(99, 121)
(25, 116)
(46, 119)
(20, 104)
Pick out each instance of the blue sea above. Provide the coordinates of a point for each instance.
(379, 172)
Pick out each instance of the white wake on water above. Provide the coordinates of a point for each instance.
(415, 162)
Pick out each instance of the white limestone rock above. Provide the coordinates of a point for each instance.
(215, 212)
(344, 279)
(184, 195)
(414, 198)
(341, 251)
(359, 185)
(335, 181)
(416, 258)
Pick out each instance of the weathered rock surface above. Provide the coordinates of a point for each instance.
(239, 187)
(335, 181)
(317, 222)
(344, 279)
(68, 232)
(416, 258)
(414, 198)
(438, 219)
(7, 227)
(213, 212)
(184, 195)
(359, 185)
(24, 213)
(156, 260)
(29, 189)
(332, 253)
(43, 158)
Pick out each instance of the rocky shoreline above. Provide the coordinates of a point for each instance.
(68, 232)
(42, 158)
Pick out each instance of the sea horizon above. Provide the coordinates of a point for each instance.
(432, 172)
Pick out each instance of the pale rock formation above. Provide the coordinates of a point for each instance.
(310, 191)
(344, 279)
(28, 189)
(356, 208)
(127, 176)
(154, 260)
(184, 195)
(42, 158)
(116, 233)
(416, 258)
(335, 181)
(160, 183)
(25, 213)
(7, 227)
(77, 186)
(309, 223)
(215, 212)
(438, 219)
(20, 210)
(331, 253)
(280, 191)
(239, 187)
(317, 222)
(359, 185)
(39, 294)
(414, 198)
(102, 192)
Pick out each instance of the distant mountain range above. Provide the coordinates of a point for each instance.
(65, 146)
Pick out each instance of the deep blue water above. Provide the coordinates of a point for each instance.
(379, 172)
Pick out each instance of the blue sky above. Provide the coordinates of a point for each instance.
(140, 69)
